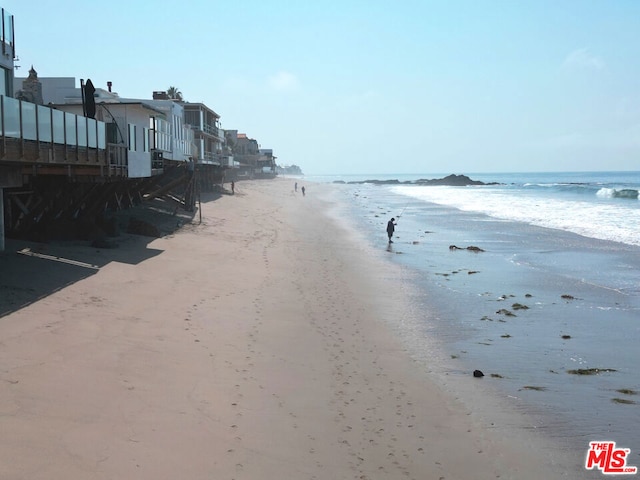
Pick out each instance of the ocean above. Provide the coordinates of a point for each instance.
(547, 306)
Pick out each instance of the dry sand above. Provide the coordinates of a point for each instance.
(254, 346)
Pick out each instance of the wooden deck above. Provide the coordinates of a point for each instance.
(40, 158)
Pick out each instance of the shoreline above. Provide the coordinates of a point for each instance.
(528, 353)
(255, 345)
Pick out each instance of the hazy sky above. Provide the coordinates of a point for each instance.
(371, 86)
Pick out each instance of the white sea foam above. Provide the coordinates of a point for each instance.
(606, 192)
(616, 221)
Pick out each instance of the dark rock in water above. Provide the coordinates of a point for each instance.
(471, 248)
(452, 181)
(590, 371)
(384, 182)
(449, 180)
(478, 374)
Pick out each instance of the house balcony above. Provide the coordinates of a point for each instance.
(47, 141)
(211, 130)
(210, 158)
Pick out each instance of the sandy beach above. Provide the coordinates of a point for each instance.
(256, 345)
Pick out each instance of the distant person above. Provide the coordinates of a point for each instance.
(295, 187)
(303, 191)
(233, 188)
(391, 227)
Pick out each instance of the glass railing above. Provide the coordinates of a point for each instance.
(28, 121)
(7, 31)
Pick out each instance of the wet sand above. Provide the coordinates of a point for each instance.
(256, 345)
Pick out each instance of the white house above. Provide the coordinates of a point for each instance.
(153, 130)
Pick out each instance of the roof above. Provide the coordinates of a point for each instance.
(199, 106)
(108, 104)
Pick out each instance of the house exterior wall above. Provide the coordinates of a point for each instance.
(208, 135)
(133, 128)
(179, 148)
(246, 145)
(137, 124)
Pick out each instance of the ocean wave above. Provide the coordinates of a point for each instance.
(578, 188)
(618, 193)
(606, 220)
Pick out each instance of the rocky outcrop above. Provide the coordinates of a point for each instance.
(453, 181)
(450, 180)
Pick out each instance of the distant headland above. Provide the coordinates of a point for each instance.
(449, 180)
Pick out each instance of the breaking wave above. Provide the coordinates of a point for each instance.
(618, 193)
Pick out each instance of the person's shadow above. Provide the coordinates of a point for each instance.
(390, 247)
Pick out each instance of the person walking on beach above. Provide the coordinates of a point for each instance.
(295, 187)
(233, 188)
(391, 227)
(302, 191)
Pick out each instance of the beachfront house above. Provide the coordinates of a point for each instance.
(153, 131)
(246, 153)
(61, 168)
(208, 136)
(42, 147)
(174, 139)
(9, 174)
(267, 161)
(252, 160)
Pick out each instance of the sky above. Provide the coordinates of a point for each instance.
(356, 87)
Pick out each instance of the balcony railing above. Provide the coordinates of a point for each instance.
(210, 158)
(36, 135)
(28, 121)
(210, 130)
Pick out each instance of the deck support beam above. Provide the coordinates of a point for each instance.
(1, 220)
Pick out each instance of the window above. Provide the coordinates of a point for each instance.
(132, 138)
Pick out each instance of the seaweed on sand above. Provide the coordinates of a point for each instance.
(590, 371)
(624, 401)
(627, 391)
